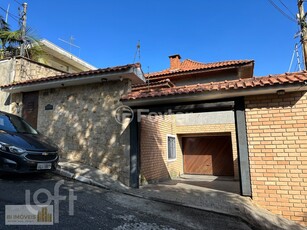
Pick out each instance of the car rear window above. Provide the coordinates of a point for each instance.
(15, 124)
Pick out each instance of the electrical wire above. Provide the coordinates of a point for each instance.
(281, 11)
(287, 8)
(17, 2)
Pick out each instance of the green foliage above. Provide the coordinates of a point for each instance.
(10, 42)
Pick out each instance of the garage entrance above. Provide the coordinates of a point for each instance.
(208, 155)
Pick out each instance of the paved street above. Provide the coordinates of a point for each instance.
(96, 208)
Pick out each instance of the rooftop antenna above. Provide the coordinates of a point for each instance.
(298, 57)
(295, 51)
(7, 12)
(137, 52)
(70, 43)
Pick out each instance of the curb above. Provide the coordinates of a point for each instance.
(79, 178)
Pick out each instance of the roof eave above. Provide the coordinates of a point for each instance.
(214, 95)
(134, 74)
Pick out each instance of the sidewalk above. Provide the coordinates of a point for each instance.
(183, 194)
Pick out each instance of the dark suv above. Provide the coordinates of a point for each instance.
(24, 149)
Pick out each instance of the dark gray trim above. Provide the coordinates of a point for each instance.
(186, 108)
(242, 146)
(134, 153)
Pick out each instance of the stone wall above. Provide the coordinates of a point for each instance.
(7, 72)
(277, 143)
(26, 69)
(82, 123)
(20, 69)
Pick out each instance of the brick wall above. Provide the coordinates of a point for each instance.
(154, 164)
(277, 141)
(154, 130)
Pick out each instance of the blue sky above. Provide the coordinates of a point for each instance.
(202, 30)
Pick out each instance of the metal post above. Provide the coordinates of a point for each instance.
(242, 147)
(23, 29)
(134, 153)
(302, 23)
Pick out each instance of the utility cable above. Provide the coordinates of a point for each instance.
(287, 8)
(17, 2)
(281, 11)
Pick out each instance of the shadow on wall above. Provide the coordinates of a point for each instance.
(152, 151)
(83, 125)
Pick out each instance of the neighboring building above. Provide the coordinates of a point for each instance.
(55, 61)
(21, 69)
(60, 59)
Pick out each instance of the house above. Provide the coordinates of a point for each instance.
(190, 130)
(257, 126)
(261, 121)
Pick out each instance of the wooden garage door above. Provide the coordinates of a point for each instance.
(211, 155)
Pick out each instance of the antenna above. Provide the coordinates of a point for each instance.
(137, 52)
(295, 52)
(70, 43)
(298, 57)
(7, 12)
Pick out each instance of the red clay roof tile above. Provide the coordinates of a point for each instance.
(189, 66)
(157, 84)
(247, 83)
(74, 75)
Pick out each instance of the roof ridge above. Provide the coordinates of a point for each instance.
(280, 74)
(197, 62)
(152, 83)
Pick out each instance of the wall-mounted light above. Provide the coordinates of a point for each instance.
(281, 92)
